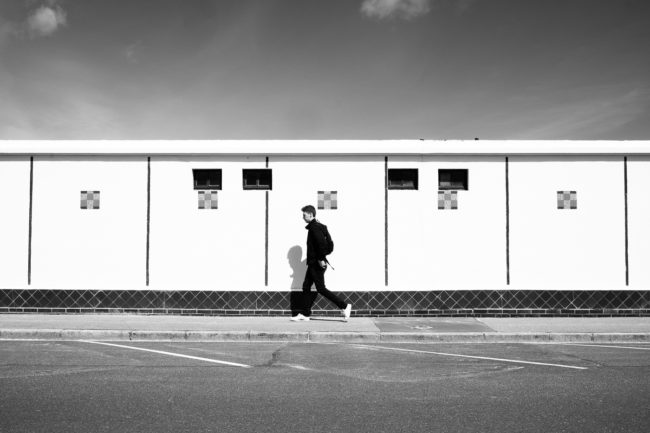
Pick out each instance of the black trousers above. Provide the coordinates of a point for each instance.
(316, 275)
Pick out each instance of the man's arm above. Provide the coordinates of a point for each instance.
(320, 243)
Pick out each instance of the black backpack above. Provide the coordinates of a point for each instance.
(329, 243)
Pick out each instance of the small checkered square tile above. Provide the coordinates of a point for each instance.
(89, 199)
(447, 199)
(327, 200)
(567, 200)
(207, 199)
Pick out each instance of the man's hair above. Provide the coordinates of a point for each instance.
(309, 209)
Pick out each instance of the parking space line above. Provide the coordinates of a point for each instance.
(161, 352)
(297, 367)
(516, 361)
(602, 345)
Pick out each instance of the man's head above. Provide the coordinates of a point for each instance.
(308, 213)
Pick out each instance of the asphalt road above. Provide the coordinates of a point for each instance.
(79, 386)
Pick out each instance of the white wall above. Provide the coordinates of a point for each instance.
(432, 249)
(14, 221)
(357, 226)
(207, 249)
(638, 202)
(223, 249)
(552, 248)
(87, 249)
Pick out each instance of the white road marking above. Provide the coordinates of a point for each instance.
(516, 361)
(161, 352)
(59, 372)
(297, 367)
(602, 345)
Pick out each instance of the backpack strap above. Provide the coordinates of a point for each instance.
(328, 262)
(323, 229)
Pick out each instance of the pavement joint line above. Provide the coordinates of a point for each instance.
(162, 352)
(516, 361)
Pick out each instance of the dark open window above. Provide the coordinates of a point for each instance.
(257, 178)
(207, 178)
(402, 178)
(455, 179)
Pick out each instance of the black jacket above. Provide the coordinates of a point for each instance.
(316, 243)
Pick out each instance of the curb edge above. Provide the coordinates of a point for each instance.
(325, 336)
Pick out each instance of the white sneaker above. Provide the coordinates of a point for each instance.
(299, 317)
(346, 312)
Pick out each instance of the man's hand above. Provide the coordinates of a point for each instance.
(322, 264)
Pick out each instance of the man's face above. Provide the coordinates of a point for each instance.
(307, 216)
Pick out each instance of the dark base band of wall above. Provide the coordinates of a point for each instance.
(462, 303)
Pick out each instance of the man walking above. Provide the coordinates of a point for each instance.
(316, 266)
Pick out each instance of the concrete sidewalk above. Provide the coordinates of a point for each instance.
(323, 329)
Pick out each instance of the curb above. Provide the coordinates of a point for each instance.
(323, 336)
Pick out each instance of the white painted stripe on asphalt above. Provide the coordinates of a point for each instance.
(602, 345)
(297, 367)
(161, 352)
(516, 361)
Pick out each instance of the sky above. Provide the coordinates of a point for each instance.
(325, 69)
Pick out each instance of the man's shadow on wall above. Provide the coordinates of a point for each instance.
(297, 298)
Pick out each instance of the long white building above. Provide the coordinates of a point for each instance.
(420, 227)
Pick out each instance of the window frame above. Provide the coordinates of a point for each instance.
(463, 185)
(395, 171)
(263, 172)
(209, 186)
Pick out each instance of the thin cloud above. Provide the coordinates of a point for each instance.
(590, 118)
(62, 102)
(463, 5)
(410, 9)
(133, 52)
(7, 30)
(46, 20)
(386, 9)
